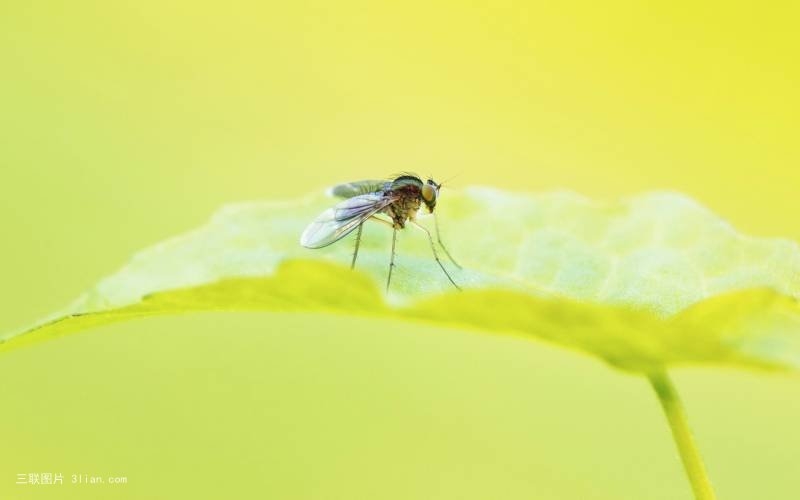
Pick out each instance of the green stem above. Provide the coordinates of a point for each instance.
(676, 416)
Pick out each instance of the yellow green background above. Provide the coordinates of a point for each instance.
(126, 122)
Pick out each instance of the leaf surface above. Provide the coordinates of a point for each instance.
(643, 283)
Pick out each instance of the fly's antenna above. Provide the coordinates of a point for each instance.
(447, 181)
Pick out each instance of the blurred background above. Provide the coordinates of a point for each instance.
(124, 123)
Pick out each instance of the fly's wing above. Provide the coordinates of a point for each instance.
(335, 223)
(357, 188)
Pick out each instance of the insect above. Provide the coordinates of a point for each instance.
(399, 199)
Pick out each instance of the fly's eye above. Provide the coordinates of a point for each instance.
(429, 193)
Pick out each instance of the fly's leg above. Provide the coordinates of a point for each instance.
(439, 239)
(394, 242)
(391, 261)
(358, 242)
(435, 255)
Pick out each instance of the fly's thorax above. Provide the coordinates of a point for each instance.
(404, 208)
(410, 193)
(406, 183)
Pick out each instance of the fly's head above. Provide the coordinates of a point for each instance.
(430, 192)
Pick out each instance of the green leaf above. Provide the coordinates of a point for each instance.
(644, 283)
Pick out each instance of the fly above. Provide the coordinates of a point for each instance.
(399, 199)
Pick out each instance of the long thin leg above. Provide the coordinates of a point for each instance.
(439, 239)
(391, 262)
(382, 221)
(394, 241)
(436, 255)
(358, 242)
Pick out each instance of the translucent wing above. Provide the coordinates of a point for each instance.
(335, 223)
(357, 188)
